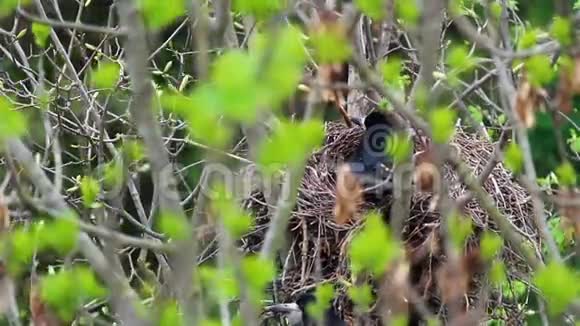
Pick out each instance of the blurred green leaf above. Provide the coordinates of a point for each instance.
(458, 58)
(399, 147)
(90, 189)
(174, 226)
(161, 13)
(460, 228)
(497, 273)
(442, 122)
(67, 290)
(106, 75)
(331, 44)
(491, 244)
(60, 235)
(258, 273)
(528, 39)
(170, 315)
(236, 221)
(476, 113)
(221, 283)
(373, 8)
(566, 174)
(559, 285)
(373, 248)
(562, 30)
(408, 11)
(12, 123)
(539, 70)
(41, 33)
(259, 9)
(392, 70)
(290, 144)
(362, 296)
(575, 145)
(324, 294)
(513, 157)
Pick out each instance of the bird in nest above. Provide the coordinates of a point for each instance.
(297, 314)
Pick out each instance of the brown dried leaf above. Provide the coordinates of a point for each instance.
(348, 195)
(527, 100)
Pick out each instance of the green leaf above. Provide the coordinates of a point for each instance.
(106, 75)
(331, 44)
(12, 123)
(237, 91)
(174, 226)
(113, 173)
(41, 33)
(559, 286)
(22, 245)
(566, 174)
(259, 9)
(257, 272)
(443, 124)
(90, 189)
(235, 220)
(170, 315)
(528, 39)
(134, 150)
(476, 113)
(458, 58)
(408, 11)
(60, 235)
(460, 228)
(539, 70)
(399, 147)
(161, 13)
(67, 290)
(497, 273)
(375, 9)
(7, 6)
(562, 31)
(392, 70)
(362, 296)
(373, 248)
(514, 158)
(221, 283)
(324, 294)
(290, 144)
(490, 245)
(575, 145)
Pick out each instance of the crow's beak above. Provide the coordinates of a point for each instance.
(357, 121)
(283, 308)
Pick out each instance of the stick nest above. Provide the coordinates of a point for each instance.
(318, 249)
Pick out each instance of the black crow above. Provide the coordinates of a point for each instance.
(370, 162)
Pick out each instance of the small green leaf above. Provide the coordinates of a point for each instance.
(41, 33)
(460, 228)
(161, 13)
(258, 273)
(575, 145)
(174, 226)
(559, 286)
(392, 70)
(375, 9)
(12, 123)
(476, 113)
(491, 244)
(458, 58)
(399, 147)
(373, 248)
(497, 273)
(259, 9)
(362, 296)
(235, 220)
(408, 11)
(514, 158)
(106, 75)
(539, 69)
(60, 235)
(528, 39)
(290, 144)
(566, 174)
(443, 124)
(562, 31)
(90, 189)
(324, 294)
(170, 315)
(331, 44)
